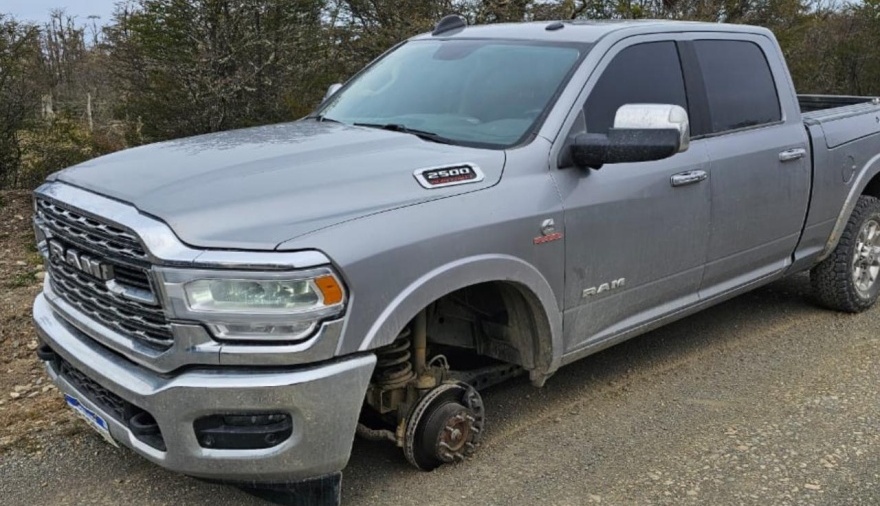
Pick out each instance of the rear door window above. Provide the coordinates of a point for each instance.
(648, 73)
(740, 89)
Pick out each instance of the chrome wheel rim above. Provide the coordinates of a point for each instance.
(866, 258)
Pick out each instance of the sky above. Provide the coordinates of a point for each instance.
(38, 10)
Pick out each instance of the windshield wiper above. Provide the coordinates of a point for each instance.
(421, 134)
(321, 118)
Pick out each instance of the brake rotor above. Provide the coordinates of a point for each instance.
(444, 426)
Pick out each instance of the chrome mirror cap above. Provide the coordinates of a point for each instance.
(655, 116)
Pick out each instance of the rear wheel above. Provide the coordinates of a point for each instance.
(849, 279)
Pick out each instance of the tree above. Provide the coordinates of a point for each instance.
(19, 53)
(189, 67)
(170, 68)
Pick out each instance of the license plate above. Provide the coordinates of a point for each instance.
(93, 419)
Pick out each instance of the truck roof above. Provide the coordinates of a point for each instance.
(584, 30)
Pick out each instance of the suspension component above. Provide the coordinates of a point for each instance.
(426, 379)
(415, 401)
(375, 434)
(394, 368)
(394, 372)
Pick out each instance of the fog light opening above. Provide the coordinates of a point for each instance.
(243, 431)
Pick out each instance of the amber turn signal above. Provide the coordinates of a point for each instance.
(330, 289)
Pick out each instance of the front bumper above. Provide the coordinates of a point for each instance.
(323, 401)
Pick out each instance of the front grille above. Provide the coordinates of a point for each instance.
(109, 402)
(137, 278)
(88, 232)
(115, 247)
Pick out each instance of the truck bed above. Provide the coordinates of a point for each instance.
(843, 119)
(812, 103)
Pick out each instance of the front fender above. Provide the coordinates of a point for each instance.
(466, 272)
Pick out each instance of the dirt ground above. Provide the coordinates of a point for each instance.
(763, 400)
(30, 407)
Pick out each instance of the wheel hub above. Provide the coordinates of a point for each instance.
(866, 260)
(456, 434)
(444, 426)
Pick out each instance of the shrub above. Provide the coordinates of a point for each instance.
(52, 146)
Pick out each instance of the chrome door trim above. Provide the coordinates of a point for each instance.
(688, 177)
(790, 155)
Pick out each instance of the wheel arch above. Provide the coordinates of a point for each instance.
(872, 189)
(510, 271)
(867, 183)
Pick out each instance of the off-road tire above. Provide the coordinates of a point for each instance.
(832, 280)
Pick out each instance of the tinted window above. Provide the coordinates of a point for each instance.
(739, 85)
(642, 74)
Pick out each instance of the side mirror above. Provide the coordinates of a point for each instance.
(641, 133)
(331, 90)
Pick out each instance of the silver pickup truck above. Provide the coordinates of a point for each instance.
(477, 203)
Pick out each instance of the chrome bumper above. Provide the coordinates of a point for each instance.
(324, 403)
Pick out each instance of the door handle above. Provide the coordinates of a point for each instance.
(790, 155)
(689, 177)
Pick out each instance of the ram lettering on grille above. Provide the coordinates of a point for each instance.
(81, 261)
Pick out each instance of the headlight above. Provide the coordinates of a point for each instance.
(254, 306)
(252, 295)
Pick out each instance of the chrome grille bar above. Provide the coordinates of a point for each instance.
(85, 231)
(143, 322)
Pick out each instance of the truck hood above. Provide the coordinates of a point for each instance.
(256, 188)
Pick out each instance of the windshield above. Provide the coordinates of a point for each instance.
(475, 92)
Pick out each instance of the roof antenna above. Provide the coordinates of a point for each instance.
(449, 23)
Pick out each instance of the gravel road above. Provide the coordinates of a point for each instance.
(765, 399)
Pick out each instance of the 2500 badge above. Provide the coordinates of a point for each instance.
(439, 177)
